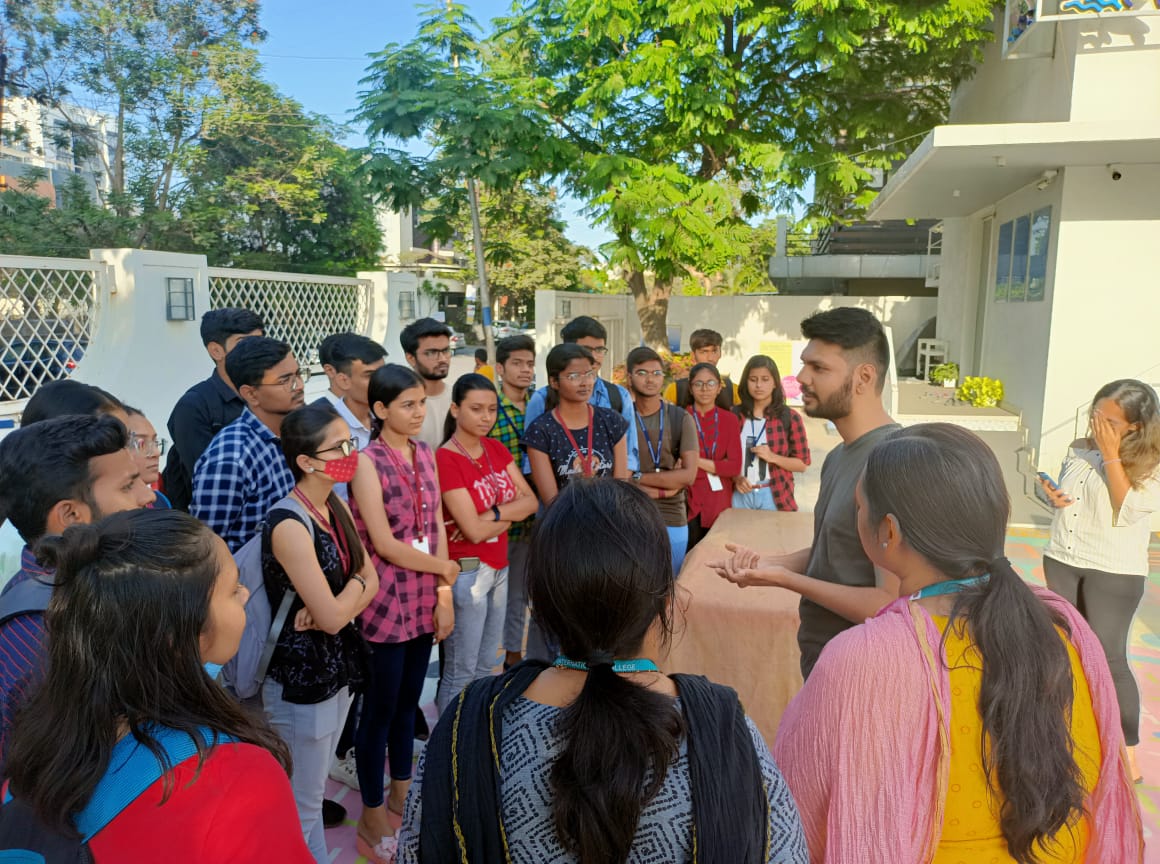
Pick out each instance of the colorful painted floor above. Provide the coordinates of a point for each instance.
(1025, 549)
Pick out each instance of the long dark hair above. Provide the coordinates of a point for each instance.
(597, 592)
(945, 488)
(303, 432)
(464, 385)
(131, 602)
(385, 385)
(776, 409)
(699, 367)
(555, 364)
(1139, 448)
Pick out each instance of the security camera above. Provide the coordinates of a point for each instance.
(1115, 171)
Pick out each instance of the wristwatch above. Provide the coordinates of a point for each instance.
(495, 510)
(636, 477)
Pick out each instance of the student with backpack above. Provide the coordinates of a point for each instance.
(668, 447)
(129, 752)
(773, 441)
(312, 550)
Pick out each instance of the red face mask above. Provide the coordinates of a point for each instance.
(341, 470)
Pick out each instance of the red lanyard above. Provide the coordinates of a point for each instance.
(489, 474)
(586, 461)
(337, 537)
(417, 491)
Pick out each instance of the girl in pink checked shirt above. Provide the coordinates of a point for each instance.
(396, 506)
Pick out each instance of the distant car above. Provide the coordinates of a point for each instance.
(457, 340)
(24, 366)
(528, 328)
(504, 329)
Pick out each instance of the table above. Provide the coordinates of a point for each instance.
(743, 637)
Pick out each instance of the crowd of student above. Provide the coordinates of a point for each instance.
(970, 718)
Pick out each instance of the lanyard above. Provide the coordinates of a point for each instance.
(417, 491)
(489, 474)
(655, 454)
(586, 461)
(753, 430)
(337, 537)
(710, 454)
(952, 586)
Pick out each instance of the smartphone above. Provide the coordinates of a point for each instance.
(1044, 476)
(467, 565)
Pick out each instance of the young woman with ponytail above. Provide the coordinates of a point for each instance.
(600, 757)
(143, 600)
(974, 718)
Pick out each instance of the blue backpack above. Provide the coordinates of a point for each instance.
(25, 840)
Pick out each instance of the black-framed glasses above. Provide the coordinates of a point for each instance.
(435, 353)
(295, 380)
(149, 446)
(350, 445)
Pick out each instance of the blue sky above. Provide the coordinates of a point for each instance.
(316, 53)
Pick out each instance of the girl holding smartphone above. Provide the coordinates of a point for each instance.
(773, 439)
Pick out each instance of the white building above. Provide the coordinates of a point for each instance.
(1047, 178)
(61, 141)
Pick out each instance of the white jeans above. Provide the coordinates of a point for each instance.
(470, 651)
(312, 732)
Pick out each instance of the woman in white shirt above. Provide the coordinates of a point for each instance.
(1097, 557)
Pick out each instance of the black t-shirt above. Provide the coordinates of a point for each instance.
(204, 410)
(311, 665)
(548, 436)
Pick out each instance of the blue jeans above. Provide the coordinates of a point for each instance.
(470, 651)
(679, 540)
(758, 499)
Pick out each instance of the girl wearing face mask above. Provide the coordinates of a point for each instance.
(312, 547)
(395, 499)
(719, 460)
(483, 494)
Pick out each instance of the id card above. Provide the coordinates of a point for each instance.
(715, 483)
(421, 544)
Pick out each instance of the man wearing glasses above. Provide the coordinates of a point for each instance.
(427, 346)
(668, 447)
(591, 334)
(243, 472)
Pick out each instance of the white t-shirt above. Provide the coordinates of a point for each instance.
(754, 468)
(437, 408)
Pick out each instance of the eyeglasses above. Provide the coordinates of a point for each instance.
(149, 446)
(346, 447)
(293, 381)
(599, 352)
(706, 385)
(435, 353)
(574, 377)
(645, 374)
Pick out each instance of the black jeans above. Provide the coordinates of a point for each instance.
(1107, 602)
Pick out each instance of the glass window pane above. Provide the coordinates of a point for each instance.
(1003, 261)
(1018, 289)
(1037, 268)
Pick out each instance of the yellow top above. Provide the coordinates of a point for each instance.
(487, 372)
(971, 833)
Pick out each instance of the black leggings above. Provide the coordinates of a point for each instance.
(387, 724)
(1107, 601)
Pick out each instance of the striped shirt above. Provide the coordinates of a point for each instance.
(22, 650)
(1088, 534)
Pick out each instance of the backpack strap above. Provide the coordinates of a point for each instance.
(278, 619)
(24, 598)
(133, 769)
(615, 397)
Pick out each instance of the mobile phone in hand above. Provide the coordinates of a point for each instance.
(1044, 476)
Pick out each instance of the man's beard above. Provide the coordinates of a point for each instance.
(432, 375)
(837, 406)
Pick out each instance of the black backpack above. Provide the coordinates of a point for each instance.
(724, 395)
(24, 839)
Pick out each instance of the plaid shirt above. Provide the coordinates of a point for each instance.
(22, 649)
(404, 608)
(508, 430)
(795, 446)
(238, 478)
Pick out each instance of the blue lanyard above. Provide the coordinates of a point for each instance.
(639, 665)
(951, 586)
(655, 454)
(710, 454)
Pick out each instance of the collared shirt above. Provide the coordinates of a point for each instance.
(508, 430)
(598, 399)
(1089, 534)
(206, 408)
(21, 649)
(789, 442)
(238, 479)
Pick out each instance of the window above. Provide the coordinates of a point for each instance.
(1021, 258)
(407, 305)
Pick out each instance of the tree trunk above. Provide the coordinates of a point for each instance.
(652, 308)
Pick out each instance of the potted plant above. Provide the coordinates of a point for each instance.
(945, 375)
(980, 391)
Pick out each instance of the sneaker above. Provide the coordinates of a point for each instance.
(343, 771)
(333, 813)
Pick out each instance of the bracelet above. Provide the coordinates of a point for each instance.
(360, 580)
(495, 510)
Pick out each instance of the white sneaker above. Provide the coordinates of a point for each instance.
(343, 771)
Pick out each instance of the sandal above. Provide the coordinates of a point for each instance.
(382, 852)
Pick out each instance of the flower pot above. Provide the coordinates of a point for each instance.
(953, 384)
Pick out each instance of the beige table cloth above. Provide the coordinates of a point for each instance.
(743, 637)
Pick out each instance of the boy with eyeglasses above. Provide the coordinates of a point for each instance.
(427, 346)
(668, 447)
(243, 472)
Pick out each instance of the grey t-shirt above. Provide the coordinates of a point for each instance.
(680, 437)
(836, 555)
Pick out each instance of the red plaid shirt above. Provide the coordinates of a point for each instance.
(795, 446)
(404, 608)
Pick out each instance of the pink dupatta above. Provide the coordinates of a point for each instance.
(864, 745)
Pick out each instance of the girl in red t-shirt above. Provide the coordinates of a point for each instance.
(143, 600)
(483, 494)
(719, 459)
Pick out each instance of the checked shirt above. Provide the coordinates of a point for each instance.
(793, 445)
(508, 430)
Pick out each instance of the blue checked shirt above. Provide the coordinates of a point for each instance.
(239, 477)
(598, 399)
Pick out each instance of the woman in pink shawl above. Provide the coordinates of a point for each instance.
(974, 719)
